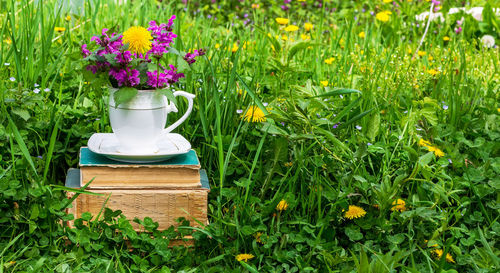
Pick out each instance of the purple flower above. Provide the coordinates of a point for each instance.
(85, 51)
(124, 57)
(449, 160)
(285, 8)
(445, 107)
(436, 2)
(336, 125)
(359, 127)
(369, 144)
(163, 79)
(125, 77)
(189, 57)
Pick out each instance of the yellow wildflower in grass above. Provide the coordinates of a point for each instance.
(244, 257)
(329, 60)
(258, 238)
(68, 18)
(446, 38)
(282, 21)
(59, 29)
(388, 1)
(436, 151)
(282, 205)
(354, 212)
(421, 53)
(498, 110)
(383, 16)
(308, 26)
(255, 6)
(433, 72)
(234, 48)
(324, 83)
(439, 253)
(284, 38)
(398, 205)
(138, 39)
(288, 164)
(254, 114)
(217, 45)
(305, 37)
(291, 28)
(424, 143)
(362, 35)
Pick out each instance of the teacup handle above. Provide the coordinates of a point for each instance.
(189, 98)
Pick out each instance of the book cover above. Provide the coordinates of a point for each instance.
(179, 172)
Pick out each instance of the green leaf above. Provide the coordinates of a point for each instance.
(373, 127)
(396, 239)
(298, 47)
(124, 94)
(337, 91)
(111, 58)
(353, 233)
(167, 92)
(23, 113)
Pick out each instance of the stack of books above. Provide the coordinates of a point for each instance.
(163, 191)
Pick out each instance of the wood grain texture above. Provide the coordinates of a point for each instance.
(163, 206)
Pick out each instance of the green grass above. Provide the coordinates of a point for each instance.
(354, 142)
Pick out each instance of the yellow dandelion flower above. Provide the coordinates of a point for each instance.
(424, 143)
(308, 26)
(282, 21)
(439, 253)
(324, 83)
(234, 48)
(362, 35)
(258, 238)
(59, 29)
(217, 45)
(354, 212)
(438, 152)
(138, 39)
(421, 53)
(433, 72)
(329, 60)
(383, 16)
(68, 18)
(388, 1)
(446, 38)
(291, 28)
(282, 205)
(498, 110)
(244, 257)
(284, 38)
(254, 114)
(305, 37)
(398, 205)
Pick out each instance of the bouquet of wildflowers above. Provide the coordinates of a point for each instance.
(132, 61)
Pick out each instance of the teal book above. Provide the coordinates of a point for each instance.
(181, 172)
(89, 158)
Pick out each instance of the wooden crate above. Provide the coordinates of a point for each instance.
(163, 205)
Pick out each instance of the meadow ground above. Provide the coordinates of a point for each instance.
(334, 139)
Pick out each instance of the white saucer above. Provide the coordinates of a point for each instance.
(170, 145)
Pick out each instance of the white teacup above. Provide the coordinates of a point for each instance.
(139, 123)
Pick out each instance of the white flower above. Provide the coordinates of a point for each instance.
(488, 41)
(12, 79)
(6, 64)
(46, 89)
(36, 85)
(36, 90)
(239, 111)
(476, 12)
(434, 16)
